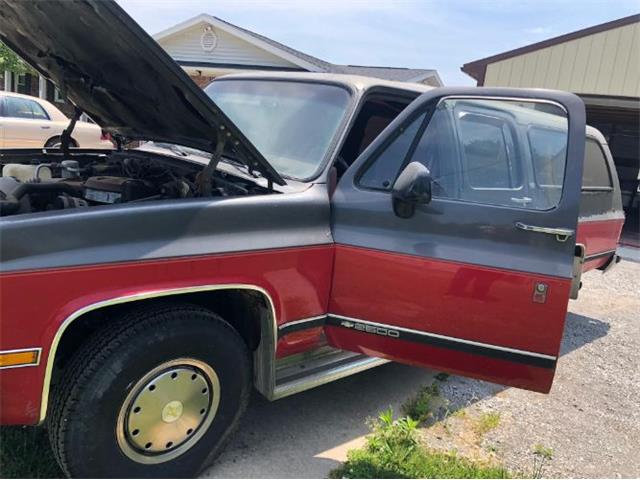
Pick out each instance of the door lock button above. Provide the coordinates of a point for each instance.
(540, 292)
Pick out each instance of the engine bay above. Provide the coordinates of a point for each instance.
(44, 182)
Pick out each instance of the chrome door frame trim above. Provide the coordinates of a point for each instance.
(263, 358)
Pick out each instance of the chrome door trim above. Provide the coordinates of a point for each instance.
(302, 324)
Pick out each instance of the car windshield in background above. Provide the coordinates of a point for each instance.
(291, 123)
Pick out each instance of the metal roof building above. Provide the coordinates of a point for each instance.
(602, 65)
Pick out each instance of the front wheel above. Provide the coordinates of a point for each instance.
(156, 394)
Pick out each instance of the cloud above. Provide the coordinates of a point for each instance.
(537, 30)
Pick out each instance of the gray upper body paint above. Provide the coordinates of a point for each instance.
(169, 228)
(298, 215)
(461, 231)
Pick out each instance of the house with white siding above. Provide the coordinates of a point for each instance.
(207, 47)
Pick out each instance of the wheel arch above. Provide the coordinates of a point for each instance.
(263, 351)
(72, 140)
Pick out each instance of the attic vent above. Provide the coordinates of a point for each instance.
(209, 39)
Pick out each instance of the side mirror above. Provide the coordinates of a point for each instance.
(413, 187)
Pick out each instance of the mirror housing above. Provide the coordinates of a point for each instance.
(411, 188)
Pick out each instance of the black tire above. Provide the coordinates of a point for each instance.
(86, 402)
(56, 142)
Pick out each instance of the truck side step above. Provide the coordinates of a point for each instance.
(323, 365)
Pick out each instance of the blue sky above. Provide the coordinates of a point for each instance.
(403, 33)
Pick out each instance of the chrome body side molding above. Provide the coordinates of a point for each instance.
(264, 356)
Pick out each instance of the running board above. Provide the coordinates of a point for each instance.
(308, 370)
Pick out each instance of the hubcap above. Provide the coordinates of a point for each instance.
(172, 411)
(168, 410)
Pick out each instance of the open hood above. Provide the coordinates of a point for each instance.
(103, 61)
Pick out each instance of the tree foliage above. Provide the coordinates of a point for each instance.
(12, 62)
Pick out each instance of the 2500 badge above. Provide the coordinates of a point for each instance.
(362, 327)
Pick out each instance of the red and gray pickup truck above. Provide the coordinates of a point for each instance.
(279, 231)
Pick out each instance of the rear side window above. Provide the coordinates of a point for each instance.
(596, 172)
(24, 108)
(548, 151)
(488, 147)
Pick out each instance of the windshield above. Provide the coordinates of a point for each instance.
(291, 124)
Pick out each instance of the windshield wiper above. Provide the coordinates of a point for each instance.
(241, 167)
(177, 150)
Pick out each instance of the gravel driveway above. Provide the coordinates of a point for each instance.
(590, 420)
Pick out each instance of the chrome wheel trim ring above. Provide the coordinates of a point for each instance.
(168, 410)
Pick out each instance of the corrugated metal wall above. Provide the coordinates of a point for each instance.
(607, 63)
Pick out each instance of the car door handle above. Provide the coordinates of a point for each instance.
(524, 201)
(45, 127)
(562, 234)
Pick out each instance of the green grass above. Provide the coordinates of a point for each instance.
(25, 453)
(541, 456)
(543, 452)
(393, 451)
(423, 406)
(487, 422)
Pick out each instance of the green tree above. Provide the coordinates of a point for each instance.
(12, 62)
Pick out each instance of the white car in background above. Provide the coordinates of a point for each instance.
(31, 122)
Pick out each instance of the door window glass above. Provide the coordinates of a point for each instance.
(38, 111)
(478, 151)
(24, 108)
(596, 172)
(496, 152)
(382, 172)
(437, 150)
